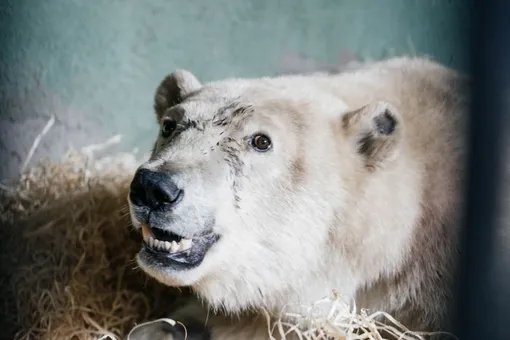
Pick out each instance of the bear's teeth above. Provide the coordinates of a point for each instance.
(167, 245)
(171, 247)
(146, 232)
(185, 244)
(174, 247)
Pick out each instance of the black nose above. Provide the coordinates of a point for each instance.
(154, 190)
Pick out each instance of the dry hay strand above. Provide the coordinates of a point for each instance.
(335, 318)
(69, 253)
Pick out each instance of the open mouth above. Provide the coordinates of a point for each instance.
(162, 248)
(164, 241)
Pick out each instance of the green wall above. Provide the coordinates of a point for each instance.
(95, 64)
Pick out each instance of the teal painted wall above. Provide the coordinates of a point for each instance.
(95, 64)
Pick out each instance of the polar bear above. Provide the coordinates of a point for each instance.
(266, 192)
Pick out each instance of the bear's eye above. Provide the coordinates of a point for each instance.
(260, 142)
(167, 128)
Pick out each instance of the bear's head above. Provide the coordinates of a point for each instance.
(248, 185)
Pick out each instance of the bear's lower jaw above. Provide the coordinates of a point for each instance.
(155, 255)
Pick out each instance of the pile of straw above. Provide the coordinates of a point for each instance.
(68, 253)
(69, 259)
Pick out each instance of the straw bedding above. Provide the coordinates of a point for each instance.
(69, 254)
(69, 258)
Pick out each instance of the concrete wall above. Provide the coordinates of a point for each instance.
(94, 64)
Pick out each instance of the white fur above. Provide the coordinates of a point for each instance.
(346, 225)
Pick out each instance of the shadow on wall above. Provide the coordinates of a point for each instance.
(94, 65)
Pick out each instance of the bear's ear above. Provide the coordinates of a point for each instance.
(376, 131)
(173, 89)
